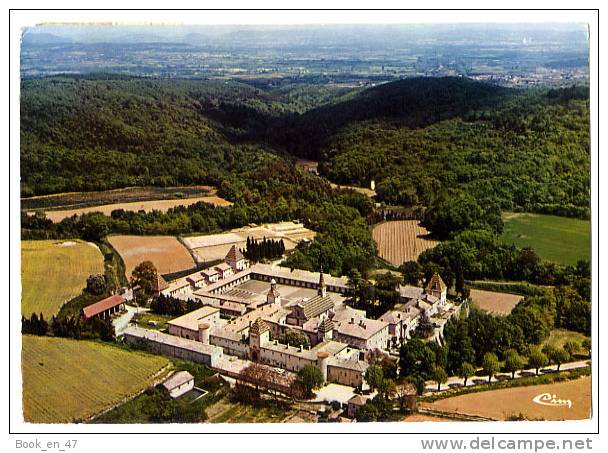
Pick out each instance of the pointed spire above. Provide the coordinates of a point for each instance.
(322, 290)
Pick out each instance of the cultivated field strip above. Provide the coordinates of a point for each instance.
(148, 206)
(401, 240)
(66, 380)
(166, 252)
(53, 272)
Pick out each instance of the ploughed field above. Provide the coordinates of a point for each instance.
(559, 239)
(166, 252)
(495, 302)
(53, 272)
(136, 206)
(73, 200)
(68, 380)
(571, 401)
(401, 240)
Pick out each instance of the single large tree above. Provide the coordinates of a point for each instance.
(490, 364)
(513, 362)
(311, 378)
(559, 356)
(571, 347)
(439, 375)
(412, 273)
(374, 376)
(465, 371)
(537, 359)
(143, 278)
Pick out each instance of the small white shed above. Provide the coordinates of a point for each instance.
(179, 383)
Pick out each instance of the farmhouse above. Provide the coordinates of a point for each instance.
(179, 383)
(104, 308)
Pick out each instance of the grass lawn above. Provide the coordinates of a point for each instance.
(66, 380)
(226, 411)
(142, 320)
(559, 239)
(53, 272)
(560, 336)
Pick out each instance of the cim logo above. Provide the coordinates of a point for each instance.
(547, 399)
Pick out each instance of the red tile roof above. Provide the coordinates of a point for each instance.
(234, 255)
(159, 284)
(102, 305)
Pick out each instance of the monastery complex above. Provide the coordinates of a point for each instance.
(247, 309)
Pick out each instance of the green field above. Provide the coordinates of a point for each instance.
(67, 380)
(559, 239)
(559, 337)
(53, 272)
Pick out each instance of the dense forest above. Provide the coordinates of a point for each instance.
(525, 149)
(462, 150)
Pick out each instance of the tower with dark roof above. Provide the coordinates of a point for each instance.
(322, 289)
(325, 331)
(235, 259)
(259, 334)
(436, 287)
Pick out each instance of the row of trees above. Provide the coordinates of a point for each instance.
(68, 326)
(257, 250)
(480, 341)
(170, 306)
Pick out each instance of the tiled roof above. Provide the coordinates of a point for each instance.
(191, 320)
(298, 274)
(326, 325)
(356, 365)
(258, 327)
(159, 283)
(102, 306)
(317, 305)
(361, 328)
(358, 400)
(410, 292)
(234, 255)
(177, 379)
(436, 283)
(223, 267)
(209, 272)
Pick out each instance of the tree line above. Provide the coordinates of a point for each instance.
(258, 250)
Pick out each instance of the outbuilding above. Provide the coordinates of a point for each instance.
(179, 383)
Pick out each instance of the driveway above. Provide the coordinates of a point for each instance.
(455, 381)
(121, 322)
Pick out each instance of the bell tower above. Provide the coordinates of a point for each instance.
(322, 289)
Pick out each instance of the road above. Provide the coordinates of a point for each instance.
(121, 322)
(455, 381)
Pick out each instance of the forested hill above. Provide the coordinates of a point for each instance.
(108, 131)
(525, 149)
(412, 103)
